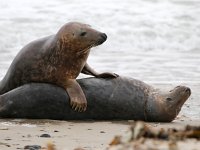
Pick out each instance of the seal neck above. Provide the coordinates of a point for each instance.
(157, 109)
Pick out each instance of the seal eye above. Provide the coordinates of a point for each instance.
(83, 33)
(168, 99)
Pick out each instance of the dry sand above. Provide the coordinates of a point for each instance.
(67, 135)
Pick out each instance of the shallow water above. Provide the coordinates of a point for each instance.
(156, 41)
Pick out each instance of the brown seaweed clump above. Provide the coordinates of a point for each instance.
(142, 137)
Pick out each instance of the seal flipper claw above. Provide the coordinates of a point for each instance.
(80, 109)
(73, 105)
(84, 108)
(77, 108)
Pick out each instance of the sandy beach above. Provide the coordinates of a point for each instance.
(67, 135)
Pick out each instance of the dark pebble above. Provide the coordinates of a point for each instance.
(32, 147)
(8, 139)
(45, 135)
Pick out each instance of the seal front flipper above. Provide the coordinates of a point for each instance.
(78, 101)
(89, 71)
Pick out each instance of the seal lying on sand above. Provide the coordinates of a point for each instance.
(57, 59)
(118, 98)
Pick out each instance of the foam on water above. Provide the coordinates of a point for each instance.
(156, 41)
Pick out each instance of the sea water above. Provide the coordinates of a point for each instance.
(156, 41)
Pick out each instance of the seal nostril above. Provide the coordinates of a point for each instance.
(104, 36)
(188, 90)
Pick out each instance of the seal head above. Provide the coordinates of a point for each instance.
(169, 104)
(175, 99)
(79, 38)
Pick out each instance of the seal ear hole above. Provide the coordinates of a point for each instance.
(169, 99)
(83, 33)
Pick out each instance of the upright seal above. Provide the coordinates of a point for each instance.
(57, 59)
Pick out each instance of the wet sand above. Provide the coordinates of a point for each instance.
(67, 135)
